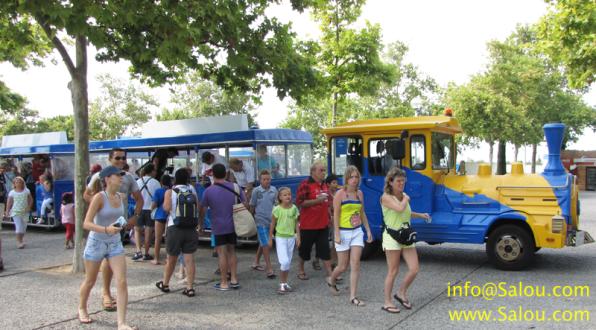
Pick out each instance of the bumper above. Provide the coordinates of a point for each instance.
(578, 238)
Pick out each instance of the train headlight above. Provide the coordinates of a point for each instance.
(558, 222)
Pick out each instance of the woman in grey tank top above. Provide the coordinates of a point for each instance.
(104, 222)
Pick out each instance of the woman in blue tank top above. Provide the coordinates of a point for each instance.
(105, 220)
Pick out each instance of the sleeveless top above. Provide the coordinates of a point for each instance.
(348, 208)
(394, 219)
(106, 216)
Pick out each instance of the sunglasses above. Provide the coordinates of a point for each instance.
(120, 158)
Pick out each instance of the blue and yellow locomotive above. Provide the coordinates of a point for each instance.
(514, 214)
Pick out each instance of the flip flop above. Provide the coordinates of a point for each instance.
(218, 287)
(404, 302)
(302, 276)
(235, 285)
(257, 268)
(108, 305)
(85, 320)
(390, 309)
(271, 275)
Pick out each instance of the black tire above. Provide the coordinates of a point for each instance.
(537, 249)
(510, 247)
(369, 250)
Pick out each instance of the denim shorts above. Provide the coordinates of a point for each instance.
(96, 250)
(263, 234)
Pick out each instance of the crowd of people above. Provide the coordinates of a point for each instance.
(323, 212)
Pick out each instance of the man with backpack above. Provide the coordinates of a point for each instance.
(147, 186)
(182, 204)
(220, 197)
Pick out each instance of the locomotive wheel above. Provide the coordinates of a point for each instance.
(510, 247)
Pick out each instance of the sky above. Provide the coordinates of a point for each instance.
(446, 39)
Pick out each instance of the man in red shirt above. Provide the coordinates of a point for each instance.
(313, 199)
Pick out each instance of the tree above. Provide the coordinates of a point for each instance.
(119, 108)
(566, 34)
(348, 59)
(228, 41)
(195, 97)
(57, 124)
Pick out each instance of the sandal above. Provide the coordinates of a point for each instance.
(189, 292)
(302, 276)
(357, 302)
(390, 309)
(271, 275)
(109, 305)
(235, 285)
(333, 287)
(164, 288)
(316, 265)
(257, 268)
(218, 287)
(404, 302)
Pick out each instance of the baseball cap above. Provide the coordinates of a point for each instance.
(110, 170)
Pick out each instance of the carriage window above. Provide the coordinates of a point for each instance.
(273, 159)
(442, 151)
(379, 158)
(299, 159)
(63, 167)
(345, 151)
(417, 152)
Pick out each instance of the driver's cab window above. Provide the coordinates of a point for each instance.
(346, 151)
(442, 151)
(417, 152)
(380, 160)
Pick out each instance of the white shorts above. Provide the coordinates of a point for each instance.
(349, 238)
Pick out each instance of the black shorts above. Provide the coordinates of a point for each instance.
(181, 240)
(320, 237)
(225, 239)
(145, 220)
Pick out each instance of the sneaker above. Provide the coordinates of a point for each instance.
(147, 257)
(288, 287)
(137, 257)
(282, 289)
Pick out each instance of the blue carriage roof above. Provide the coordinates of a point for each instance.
(38, 150)
(261, 136)
(264, 136)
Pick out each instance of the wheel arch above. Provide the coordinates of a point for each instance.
(515, 219)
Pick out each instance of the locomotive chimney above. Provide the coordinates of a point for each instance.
(554, 140)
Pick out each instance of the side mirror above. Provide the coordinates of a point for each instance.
(397, 149)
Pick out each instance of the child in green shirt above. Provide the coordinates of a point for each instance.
(284, 223)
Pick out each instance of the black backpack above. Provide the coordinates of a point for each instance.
(186, 215)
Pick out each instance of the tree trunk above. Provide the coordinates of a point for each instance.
(334, 110)
(534, 150)
(502, 158)
(515, 152)
(491, 146)
(80, 102)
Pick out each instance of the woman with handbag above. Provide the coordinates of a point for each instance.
(348, 219)
(396, 216)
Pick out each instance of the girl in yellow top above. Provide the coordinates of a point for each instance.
(348, 219)
(396, 212)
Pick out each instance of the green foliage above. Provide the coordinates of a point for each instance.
(120, 107)
(195, 97)
(10, 102)
(21, 40)
(567, 34)
(57, 124)
(349, 59)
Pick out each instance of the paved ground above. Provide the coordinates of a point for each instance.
(36, 291)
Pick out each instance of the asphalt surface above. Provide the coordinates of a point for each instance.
(37, 291)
